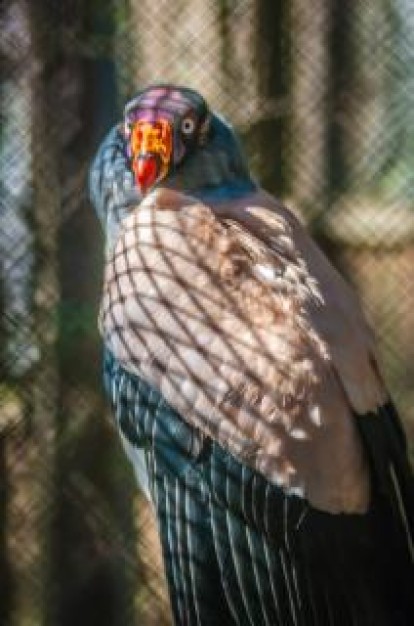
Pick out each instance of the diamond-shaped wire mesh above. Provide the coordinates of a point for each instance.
(322, 94)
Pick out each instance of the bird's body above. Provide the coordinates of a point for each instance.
(241, 362)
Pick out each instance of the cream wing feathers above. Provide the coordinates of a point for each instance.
(234, 314)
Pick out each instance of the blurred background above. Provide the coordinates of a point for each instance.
(322, 94)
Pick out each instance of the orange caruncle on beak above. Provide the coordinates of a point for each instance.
(151, 148)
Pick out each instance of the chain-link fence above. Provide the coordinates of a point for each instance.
(322, 94)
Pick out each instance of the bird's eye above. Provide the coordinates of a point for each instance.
(188, 125)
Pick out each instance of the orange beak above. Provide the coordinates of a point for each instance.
(151, 149)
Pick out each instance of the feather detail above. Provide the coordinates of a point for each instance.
(235, 348)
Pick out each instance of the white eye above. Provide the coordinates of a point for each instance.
(188, 125)
(127, 128)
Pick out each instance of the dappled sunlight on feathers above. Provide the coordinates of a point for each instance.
(215, 307)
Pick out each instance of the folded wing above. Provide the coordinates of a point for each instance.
(236, 317)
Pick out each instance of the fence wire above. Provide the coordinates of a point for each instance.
(322, 95)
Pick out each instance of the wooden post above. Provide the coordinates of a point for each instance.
(368, 126)
(310, 92)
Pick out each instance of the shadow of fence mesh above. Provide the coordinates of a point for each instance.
(322, 95)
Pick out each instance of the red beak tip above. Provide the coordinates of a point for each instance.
(146, 170)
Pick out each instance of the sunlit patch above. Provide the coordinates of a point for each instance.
(298, 433)
(266, 272)
(315, 415)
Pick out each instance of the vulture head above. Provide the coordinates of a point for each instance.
(172, 138)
